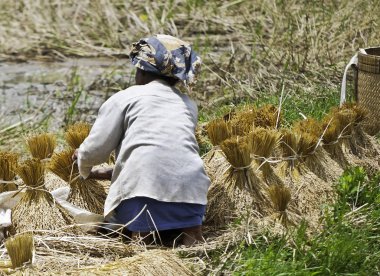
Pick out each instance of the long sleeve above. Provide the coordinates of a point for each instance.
(104, 137)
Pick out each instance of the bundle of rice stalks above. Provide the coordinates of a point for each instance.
(243, 122)
(8, 167)
(41, 146)
(87, 194)
(20, 250)
(76, 134)
(280, 197)
(310, 126)
(240, 175)
(262, 142)
(246, 120)
(267, 116)
(217, 131)
(37, 209)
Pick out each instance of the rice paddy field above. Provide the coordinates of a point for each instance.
(295, 179)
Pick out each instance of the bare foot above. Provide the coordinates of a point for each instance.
(145, 237)
(192, 235)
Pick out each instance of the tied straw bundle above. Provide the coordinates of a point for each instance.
(262, 143)
(217, 131)
(84, 193)
(76, 134)
(280, 197)
(240, 175)
(20, 250)
(37, 209)
(8, 167)
(41, 146)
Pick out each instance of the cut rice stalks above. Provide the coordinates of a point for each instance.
(84, 193)
(37, 209)
(217, 131)
(280, 197)
(20, 250)
(8, 167)
(76, 134)
(262, 143)
(240, 174)
(41, 146)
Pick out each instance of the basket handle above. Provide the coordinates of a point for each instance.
(353, 62)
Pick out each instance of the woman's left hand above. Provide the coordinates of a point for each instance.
(102, 174)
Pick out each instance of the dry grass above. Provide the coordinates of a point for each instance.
(20, 249)
(262, 44)
(76, 134)
(8, 167)
(87, 194)
(41, 146)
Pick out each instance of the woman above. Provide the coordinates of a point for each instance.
(158, 182)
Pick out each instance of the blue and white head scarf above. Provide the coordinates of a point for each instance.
(167, 56)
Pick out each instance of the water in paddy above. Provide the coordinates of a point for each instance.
(58, 93)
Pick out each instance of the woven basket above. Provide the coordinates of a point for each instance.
(368, 87)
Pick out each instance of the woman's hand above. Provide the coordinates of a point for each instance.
(75, 155)
(102, 174)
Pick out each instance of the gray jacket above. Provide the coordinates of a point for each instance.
(152, 128)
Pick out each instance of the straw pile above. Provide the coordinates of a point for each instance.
(87, 194)
(152, 262)
(20, 250)
(37, 209)
(8, 167)
(76, 134)
(41, 146)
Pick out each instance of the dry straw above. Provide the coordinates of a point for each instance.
(217, 131)
(240, 175)
(76, 134)
(8, 167)
(41, 146)
(262, 142)
(20, 249)
(280, 196)
(37, 209)
(246, 120)
(84, 193)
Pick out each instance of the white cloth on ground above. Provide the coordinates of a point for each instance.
(152, 128)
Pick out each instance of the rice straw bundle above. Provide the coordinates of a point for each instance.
(37, 209)
(41, 146)
(224, 204)
(217, 131)
(280, 197)
(8, 167)
(240, 175)
(243, 122)
(262, 142)
(237, 154)
(267, 116)
(20, 250)
(76, 134)
(310, 126)
(87, 194)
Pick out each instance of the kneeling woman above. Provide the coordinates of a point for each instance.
(158, 175)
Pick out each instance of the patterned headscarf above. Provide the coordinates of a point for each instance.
(167, 56)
